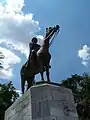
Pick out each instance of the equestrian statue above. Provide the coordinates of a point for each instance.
(39, 59)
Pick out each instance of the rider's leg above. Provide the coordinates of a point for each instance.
(27, 63)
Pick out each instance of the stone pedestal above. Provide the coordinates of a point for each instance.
(43, 102)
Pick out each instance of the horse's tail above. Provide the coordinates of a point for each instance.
(22, 79)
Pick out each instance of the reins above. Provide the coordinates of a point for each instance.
(52, 39)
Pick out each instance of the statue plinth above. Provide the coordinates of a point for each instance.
(43, 101)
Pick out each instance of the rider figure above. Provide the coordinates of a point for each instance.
(34, 47)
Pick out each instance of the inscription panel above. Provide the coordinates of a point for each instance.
(22, 105)
(40, 109)
(21, 109)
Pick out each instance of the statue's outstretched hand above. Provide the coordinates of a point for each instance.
(57, 27)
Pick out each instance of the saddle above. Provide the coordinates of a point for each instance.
(33, 57)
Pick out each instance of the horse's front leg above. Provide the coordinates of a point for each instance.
(47, 72)
(41, 71)
(42, 77)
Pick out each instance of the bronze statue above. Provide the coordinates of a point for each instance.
(38, 61)
(34, 47)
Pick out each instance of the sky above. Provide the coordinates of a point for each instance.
(20, 20)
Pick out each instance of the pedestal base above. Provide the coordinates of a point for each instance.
(43, 102)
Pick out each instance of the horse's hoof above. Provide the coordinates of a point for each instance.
(49, 66)
(48, 80)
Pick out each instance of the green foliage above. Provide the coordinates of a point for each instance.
(80, 86)
(1, 57)
(7, 97)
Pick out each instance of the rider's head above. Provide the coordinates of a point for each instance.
(34, 40)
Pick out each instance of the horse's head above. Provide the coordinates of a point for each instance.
(50, 29)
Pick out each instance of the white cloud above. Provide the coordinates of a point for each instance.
(14, 5)
(17, 28)
(16, 31)
(8, 62)
(85, 63)
(84, 54)
(40, 39)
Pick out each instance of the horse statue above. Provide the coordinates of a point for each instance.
(41, 64)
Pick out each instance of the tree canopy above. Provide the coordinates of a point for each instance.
(7, 97)
(80, 86)
(1, 57)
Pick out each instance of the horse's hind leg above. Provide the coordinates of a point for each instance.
(22, 83)
(30, 82)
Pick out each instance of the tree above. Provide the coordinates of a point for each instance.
(1, 57)
(80, 86)
(7, 97)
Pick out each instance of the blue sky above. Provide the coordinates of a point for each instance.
(74, 19)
